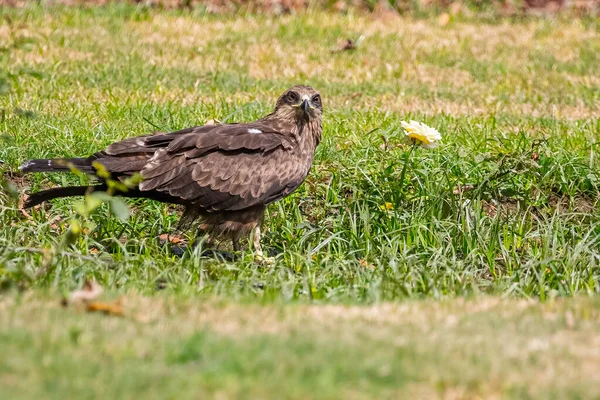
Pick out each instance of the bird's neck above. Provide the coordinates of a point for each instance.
(308, 134)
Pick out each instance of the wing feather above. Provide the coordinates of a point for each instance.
(230, 167)
(164, 164)
(215, 167)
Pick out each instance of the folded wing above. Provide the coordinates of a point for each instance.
(218, 168)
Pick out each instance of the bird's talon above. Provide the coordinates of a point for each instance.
(261, 259)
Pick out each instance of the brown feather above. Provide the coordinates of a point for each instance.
(225, 174)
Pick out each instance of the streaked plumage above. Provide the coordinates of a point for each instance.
(223, 174)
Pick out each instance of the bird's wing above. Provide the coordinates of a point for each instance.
(232, 167)
(131, 155)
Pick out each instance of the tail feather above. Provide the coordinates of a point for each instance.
(37, 198)
(57, 165)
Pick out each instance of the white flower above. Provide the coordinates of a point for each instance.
(422, 133)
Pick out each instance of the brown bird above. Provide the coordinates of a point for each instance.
(225, 174)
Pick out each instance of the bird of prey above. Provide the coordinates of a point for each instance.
(224, 175)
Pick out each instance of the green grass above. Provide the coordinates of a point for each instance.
(180, 348)
(506, 206)
(500, 93)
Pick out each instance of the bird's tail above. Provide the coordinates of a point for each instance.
(57, 165)
(54, 193)
(71, 191)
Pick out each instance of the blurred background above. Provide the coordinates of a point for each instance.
(508, 7)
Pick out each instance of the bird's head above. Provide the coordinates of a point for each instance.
(300, 103)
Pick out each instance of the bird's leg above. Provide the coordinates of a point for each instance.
(258, 252)
(209, 242)
(256, 242)
(236, 244)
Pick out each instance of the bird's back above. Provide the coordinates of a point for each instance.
(225, 167)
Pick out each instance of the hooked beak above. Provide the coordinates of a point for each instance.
(305, 106)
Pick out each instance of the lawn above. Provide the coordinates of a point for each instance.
(467, 270)
(182, 348)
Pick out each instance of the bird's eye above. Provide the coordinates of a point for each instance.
(316, 99)
(292, 97)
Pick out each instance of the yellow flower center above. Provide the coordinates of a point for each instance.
(413, 134)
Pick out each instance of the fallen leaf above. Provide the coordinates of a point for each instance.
(365, 264)
(21, 207)
(91, 290)
(55, 221)
(173, 239)
(462, 189)
(345, 45)
(114, 308)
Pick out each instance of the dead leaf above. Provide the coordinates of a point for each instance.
(91, 290)
(345, 45)
(365, 264)
(21, 206)
(114, 308)
(173, 239)
(462, 189)
(85, 297)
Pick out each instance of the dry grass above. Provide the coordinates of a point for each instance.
(419, 59)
